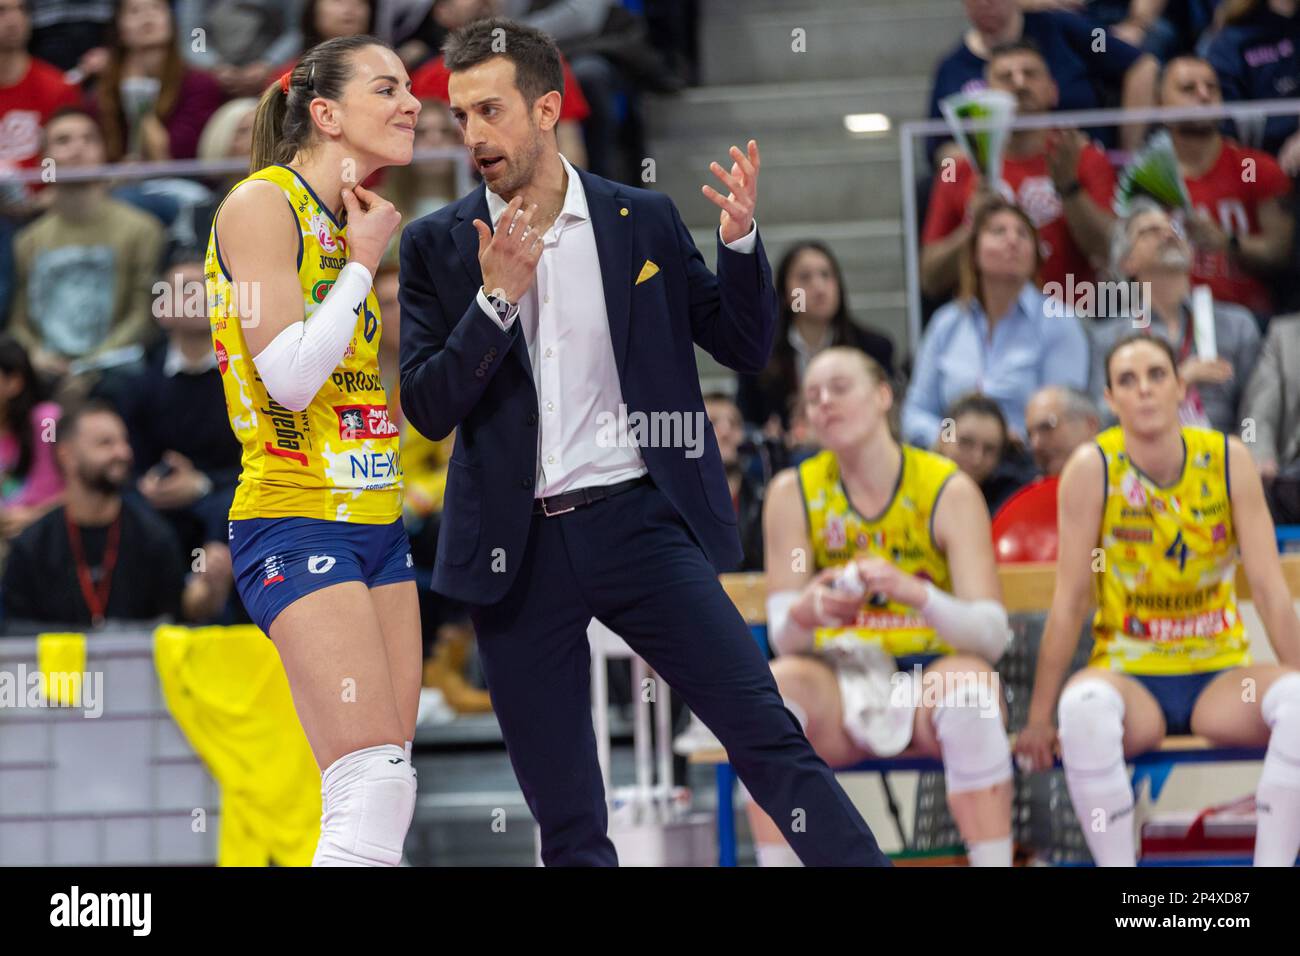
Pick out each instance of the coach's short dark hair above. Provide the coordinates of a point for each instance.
(1132, 337)
(534, 54)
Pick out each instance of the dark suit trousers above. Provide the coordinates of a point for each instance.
(631, 562)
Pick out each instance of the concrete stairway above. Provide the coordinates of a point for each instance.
(818, 180)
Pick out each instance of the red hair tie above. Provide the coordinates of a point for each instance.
(284, 82)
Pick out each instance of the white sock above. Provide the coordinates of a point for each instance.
(776, 854)
(407, 747)
(990, 852)
(1091, 719)
(1277, 798)
(1277, 827)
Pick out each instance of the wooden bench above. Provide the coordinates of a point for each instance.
(1025, 588)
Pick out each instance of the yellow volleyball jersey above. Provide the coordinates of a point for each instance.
(337, 459)
(1167, 598)
(902, 534)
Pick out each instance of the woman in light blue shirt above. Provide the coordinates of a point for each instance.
(1030, 341)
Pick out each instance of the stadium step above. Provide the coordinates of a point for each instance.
(751, 41)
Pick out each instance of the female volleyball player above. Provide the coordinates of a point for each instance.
(880, 567)
(1159, 516)
(320, 556)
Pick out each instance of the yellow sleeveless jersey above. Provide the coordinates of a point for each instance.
(1167, 600)
(901, 534)
(338, 458)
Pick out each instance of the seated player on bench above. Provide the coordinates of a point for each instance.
(879, 564)
(1158, 515)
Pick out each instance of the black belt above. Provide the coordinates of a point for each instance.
(569, 500)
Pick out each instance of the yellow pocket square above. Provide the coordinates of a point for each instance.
(647, 270)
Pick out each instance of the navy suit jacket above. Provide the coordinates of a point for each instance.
(461, 371)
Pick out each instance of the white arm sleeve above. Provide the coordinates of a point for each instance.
(296, 363)
(786, 636)
(977, 627)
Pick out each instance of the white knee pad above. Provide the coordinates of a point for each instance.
(368, 798)
(1280, 709)
(973, 742)
(1090, 721)
(1091, 726)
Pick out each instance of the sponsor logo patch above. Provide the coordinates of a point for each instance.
(289, 438)
(357, 422)
(272, 570)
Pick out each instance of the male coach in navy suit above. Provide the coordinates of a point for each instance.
(586, 481)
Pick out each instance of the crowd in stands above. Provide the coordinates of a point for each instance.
(1007, 378)
(124, 515)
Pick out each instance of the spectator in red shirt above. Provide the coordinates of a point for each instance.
(430, 80)
(1240, 226)
(151, 105)
(1062, 182)
(30, 89)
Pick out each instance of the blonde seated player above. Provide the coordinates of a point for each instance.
(1159, 517)
(884, 607)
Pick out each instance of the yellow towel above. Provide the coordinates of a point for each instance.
(226, 689)
(62, 660)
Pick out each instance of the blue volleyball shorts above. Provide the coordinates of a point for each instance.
(1177, 695)
(279, 560)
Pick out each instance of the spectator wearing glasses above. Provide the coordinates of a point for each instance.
(1151, 253)
(1058, 419)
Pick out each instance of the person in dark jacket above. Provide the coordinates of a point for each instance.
(105, 554)
(976, 437)
(814, 315)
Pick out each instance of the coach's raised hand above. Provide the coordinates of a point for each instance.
(509, 256)
(738, 206)
(371, 221)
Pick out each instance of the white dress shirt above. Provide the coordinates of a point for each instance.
(566, 328)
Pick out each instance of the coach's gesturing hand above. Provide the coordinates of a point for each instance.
(509, 256)
(737, 207)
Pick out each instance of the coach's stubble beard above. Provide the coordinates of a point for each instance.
(524, 166)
